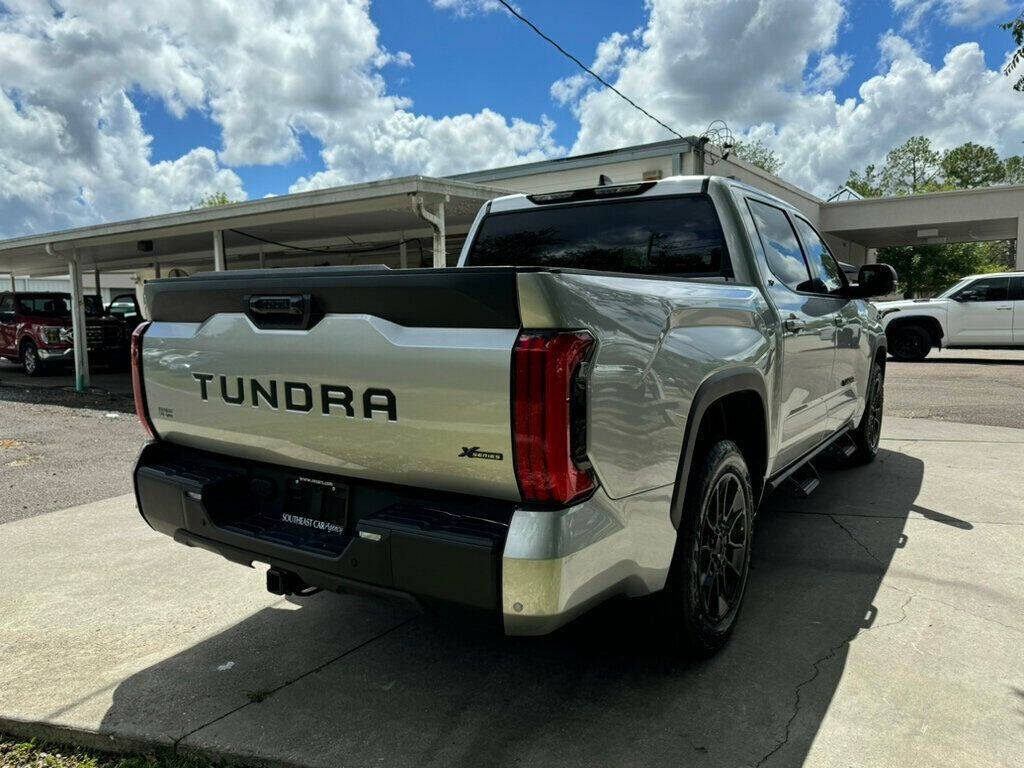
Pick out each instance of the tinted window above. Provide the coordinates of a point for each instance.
(45, 306)
(1017, 288)
(57, 306)
(7, 304)
(780, 245)
(656, 236)
(985, 289)
(822, 262)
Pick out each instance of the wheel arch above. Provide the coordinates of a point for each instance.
(720, 395)
(931, 325)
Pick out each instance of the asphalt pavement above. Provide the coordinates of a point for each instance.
(970, 386)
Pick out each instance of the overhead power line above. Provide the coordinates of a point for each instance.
(588, 70)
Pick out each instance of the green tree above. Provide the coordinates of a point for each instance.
(1016, 30)
(928, 269)
(214, 199)
(971, 165)
(757, 153)
(866, 184)
(1014, 170)
(912, 168)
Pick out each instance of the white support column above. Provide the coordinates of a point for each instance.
(78, 327)
(156, 270)
(436, 222)
(1020, 242)
(14, 285)
(263, 260)
(403, 255)
(219, 259)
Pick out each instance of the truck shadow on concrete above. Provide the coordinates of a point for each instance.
(441, 690)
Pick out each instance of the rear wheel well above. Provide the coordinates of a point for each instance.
(928, 323)
(740, 417)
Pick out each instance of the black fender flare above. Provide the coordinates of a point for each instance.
(714, 387)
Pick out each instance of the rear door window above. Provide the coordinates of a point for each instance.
(678, 236)
(781, 247)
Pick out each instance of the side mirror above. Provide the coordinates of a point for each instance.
(876, 280)
(967, 294)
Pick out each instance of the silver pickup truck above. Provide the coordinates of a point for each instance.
(593, 403)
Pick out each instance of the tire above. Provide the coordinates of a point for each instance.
(867, 434)
(909, 343)
(708, 577)
(30, 362)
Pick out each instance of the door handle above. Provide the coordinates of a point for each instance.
(1003, 309)
(793, 324)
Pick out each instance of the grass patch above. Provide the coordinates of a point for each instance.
(15, 753)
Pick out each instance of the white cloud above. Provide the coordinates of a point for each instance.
(73, 149)
(470, 7)
(830, 71)
(746, 62)
(957, 13)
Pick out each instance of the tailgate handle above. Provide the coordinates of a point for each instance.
(279, 311)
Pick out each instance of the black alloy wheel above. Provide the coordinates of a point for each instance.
(708, 576)
(910, 343)
(719, 553)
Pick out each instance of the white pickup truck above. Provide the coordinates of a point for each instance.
(977, 311)
(591, 404)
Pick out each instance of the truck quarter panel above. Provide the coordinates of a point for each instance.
(658, 340)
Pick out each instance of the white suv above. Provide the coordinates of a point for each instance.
(978, 311)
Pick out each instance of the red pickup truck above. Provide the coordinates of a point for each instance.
(35, 330)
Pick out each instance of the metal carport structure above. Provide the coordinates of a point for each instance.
(342, 225)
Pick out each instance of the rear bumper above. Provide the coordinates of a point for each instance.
(537, 569)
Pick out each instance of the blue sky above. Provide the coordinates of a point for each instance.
(117, 109)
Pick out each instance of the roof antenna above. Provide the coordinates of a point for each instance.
(603, 181)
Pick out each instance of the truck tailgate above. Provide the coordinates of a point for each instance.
(400, 388)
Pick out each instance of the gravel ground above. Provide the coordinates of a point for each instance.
(53, 456)
(977, 386)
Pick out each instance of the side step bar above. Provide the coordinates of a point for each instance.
(841, 440)
(804, 481)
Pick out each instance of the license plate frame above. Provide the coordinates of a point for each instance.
(317, 505)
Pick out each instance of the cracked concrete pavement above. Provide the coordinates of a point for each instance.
(884, 625)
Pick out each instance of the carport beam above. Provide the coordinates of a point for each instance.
(1020, 243)
(78, 327)
(219, 261)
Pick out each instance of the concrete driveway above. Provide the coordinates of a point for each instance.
(883, 626)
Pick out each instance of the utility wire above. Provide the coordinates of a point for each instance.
(588, 70)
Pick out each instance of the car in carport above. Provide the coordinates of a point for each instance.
(36, 331)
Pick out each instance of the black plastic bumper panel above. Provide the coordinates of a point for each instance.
(334, 532)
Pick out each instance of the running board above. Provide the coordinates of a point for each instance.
(776, 480)
(804, 481)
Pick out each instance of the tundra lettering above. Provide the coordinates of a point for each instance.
(298, 396)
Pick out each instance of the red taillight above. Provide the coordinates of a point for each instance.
(548, 418)
(140, 394)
